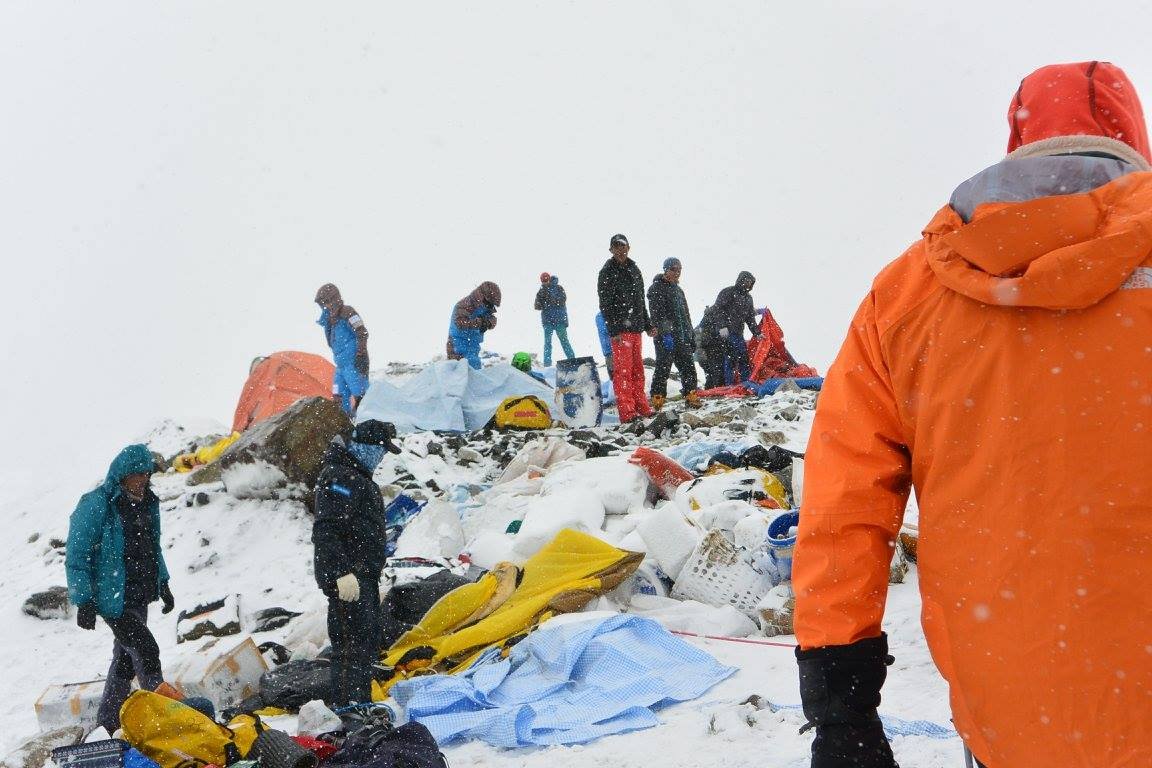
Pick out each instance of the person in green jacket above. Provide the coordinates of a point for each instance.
(115, 568)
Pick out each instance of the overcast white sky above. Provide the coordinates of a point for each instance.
(177, 179)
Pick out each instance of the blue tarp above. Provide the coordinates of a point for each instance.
(771, 385)
(448, 395)
(565, 684)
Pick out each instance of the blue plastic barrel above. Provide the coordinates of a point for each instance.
(781, 543)
(578, 395)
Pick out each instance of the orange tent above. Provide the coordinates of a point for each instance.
(277, 382)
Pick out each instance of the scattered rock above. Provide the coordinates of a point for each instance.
(776, 610)
(49, 604)
(209, 473)
(898, 568)
(789, 413)
(34, 538)
(216, 619)
(772, 437)
(37, 751)
(57, 543)
(788, 385)
(468, 456)
(908, 542)
(435, 449)
(272, 618)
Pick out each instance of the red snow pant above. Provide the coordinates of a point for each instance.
(628, 376)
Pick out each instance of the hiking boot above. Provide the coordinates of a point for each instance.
(692, 399)
(657, 402)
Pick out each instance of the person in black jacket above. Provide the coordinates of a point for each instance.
(675, 340)
(349, 538)
(723, 331)
(620, 287)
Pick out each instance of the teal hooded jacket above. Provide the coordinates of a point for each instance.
(95, 554)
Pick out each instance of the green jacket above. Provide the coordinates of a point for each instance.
(95, 555)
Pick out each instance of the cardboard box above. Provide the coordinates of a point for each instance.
(69, 704)
(223, 670)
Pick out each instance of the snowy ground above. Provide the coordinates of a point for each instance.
(261, 550)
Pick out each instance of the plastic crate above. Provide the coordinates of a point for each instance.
(717, 574)
(108, 753)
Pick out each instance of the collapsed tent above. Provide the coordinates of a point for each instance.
(562, 577)
(448, 395)
(769, 358)
(278, 381)
(566, 684)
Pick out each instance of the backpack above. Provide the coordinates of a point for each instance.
(177, 736)
(379, 745)
(525, 412)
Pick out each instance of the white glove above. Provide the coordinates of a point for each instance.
(348, 588)
(723, 333)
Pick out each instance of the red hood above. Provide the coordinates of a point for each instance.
(1090, 98)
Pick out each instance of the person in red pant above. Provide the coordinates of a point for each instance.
(620, 287)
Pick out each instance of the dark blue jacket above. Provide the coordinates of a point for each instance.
(349, 534)
(552, 304)
(94, 558)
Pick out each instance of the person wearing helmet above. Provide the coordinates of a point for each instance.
(984, 365)
(522, 362)
(348, 339)
(471, 317)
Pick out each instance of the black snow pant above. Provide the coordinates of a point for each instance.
(134, 654)
(736, 363)
(682, 357)
(713, 362)
(354, 629)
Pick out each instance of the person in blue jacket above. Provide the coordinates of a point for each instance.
(552, 304)
(605, 341)
(115, 568)
(348, 339)
(471, 317)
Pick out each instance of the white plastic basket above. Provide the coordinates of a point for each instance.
(716, 574)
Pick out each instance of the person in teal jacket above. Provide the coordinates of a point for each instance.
(115, 568)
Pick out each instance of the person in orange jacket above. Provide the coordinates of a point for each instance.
(1001, 367)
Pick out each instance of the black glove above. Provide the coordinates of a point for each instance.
(840, 690)
(86, 616)
(166, 598)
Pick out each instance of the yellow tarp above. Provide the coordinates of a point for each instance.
(186, 462)
(562, 577)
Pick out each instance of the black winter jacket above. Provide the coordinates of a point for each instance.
(732, 309)
(349, 531)
(621, 291)
(670, 313)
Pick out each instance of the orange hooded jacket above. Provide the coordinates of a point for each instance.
(1003, 369)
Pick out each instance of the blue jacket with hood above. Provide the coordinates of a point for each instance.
(552, 304)
(95, 554)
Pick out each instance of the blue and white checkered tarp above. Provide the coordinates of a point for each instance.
(564, 684)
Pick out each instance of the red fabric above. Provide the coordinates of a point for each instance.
(1090, 98)
(322, 749)
(769, 358)
(277, 382)
(665, 473)
(628, 376)
(734, 390)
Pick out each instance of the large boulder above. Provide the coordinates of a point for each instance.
(292, 441)
(50, 604)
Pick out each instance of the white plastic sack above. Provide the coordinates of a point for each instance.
(434, 532)
(315, 718)
(542, 453)
(669, 538)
